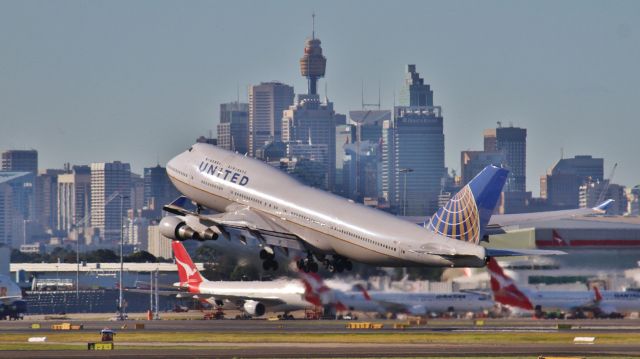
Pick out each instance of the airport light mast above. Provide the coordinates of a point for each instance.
(120, 294)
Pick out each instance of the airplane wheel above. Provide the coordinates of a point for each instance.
(339, 267)
(348, 265)
(313, 267)
(274, 266)
(266, 265)
(264, 254)
(300, 264)
(305, 269)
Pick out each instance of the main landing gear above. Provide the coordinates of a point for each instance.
(337, 264)
(268, 261)
(308, 264)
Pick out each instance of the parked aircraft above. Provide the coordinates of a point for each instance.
(259, 201)
(601, 303)
(252, 297)
(383, 302)
(12, 306)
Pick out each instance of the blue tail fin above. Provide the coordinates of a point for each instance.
(466, 215)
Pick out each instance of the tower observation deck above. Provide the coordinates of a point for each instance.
(313, 64)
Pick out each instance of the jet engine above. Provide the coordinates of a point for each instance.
(254, 308)
(175, 228)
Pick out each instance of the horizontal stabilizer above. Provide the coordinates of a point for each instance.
(495, 252)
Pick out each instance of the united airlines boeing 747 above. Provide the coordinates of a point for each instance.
(256, 200)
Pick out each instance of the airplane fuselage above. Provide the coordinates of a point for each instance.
(328, 224)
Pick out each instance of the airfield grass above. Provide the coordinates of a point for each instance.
(353, 337)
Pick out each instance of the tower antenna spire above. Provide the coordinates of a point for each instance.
(313, 25)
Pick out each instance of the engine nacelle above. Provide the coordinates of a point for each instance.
(175, 228)
(211, 234)
(253, 308)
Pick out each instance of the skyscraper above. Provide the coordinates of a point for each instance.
(267, 101)
(16, 206)
(562, 182)
(413, 151)
(158, 190)
(233, 128)
(107, 181)
(74, 197)
(473, 162)
(20, 161)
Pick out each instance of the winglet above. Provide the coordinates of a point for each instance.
(602, 207)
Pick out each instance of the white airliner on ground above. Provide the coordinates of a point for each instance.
(264, 203)
(253, 297)
(605, 303)
(12, 306)
(383, 302)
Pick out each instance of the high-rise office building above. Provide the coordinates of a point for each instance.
(413, 160)
(20, 161)
(17, 209)
(512, 143)
(47, 198)
(413, 151)
(74, 198)
(473, 162)
(267, 101)
(158, 190)
(110, 183)
(592, 193)
(234, 125)
(562, 182)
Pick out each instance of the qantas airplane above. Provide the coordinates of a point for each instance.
(394, 302)
(12, 306)
(603, 304)
(262, 202)
(252, 297)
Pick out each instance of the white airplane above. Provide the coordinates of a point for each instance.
(602, 304)
(254, 298)
(383, 302)
(262, 202)
(12, 305)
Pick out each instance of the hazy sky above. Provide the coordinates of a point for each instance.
(138, 81)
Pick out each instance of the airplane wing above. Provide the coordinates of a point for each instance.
(265, 228)
(499, 223)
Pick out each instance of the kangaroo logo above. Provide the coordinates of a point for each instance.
(187, 268)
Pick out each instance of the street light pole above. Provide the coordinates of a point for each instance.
(404, 172)
(120, 298)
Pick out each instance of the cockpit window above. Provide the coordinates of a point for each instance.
(190, 148)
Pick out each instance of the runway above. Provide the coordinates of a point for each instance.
(328, 338)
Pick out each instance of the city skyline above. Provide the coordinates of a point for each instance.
(79, 89)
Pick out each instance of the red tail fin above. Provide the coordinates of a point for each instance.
(365, 294)
(504, 288)
(597, 293)
(187, 271)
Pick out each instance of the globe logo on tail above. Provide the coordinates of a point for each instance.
(459, 218)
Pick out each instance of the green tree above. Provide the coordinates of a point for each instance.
(141, 257)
